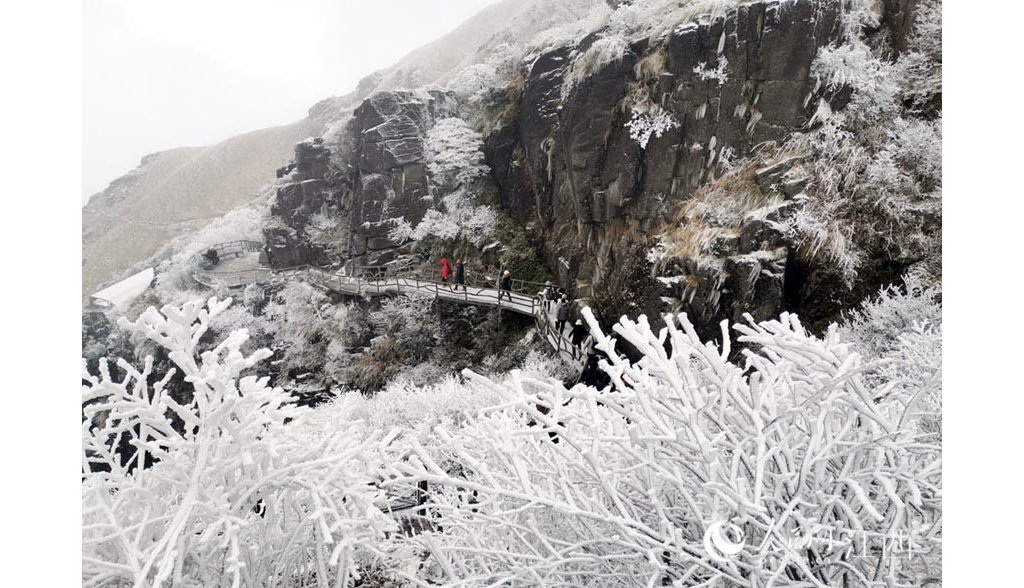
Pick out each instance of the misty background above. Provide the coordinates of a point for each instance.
(158, 75)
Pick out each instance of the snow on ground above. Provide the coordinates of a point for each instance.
(127, 289)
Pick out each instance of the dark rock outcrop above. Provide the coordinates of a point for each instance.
(569, 164)
(307, 192)
(592, 199)
(387, 166)
(378, 176)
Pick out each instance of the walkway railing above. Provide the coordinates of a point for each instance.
(228, 250)
(236, 248)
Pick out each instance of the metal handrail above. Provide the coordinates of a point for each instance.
(487, 279)
(549, 332)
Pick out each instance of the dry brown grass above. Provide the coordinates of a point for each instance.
(650, 67)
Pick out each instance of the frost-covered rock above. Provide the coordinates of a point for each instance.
(603, 166)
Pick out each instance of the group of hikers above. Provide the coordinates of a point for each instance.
(563, 307)
(504, 286)
(578, 334)
(460, 273)
(550, 295)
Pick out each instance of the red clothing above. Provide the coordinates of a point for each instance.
(445, 272)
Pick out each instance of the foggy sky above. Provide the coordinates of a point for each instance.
(159, 74)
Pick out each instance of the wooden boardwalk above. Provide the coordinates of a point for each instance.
(239, 267)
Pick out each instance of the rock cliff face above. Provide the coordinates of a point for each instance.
(568, 166)
(597, 202)
(378, 174)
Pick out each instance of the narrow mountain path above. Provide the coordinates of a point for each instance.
(239, 266)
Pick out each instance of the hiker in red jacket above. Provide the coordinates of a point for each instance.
(445, 272)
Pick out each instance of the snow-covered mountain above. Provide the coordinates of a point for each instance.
(741, 202)
(175, 192)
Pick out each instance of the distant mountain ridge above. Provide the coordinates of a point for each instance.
(174, 192)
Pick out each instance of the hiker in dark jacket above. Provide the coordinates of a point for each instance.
(578, 333)
(460, 275)
(562, 314)
(506, 286)
(550, 295)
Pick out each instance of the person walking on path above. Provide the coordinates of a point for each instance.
(506, 286)
(460, 275)
(550, 295)
(578, 333)
(445, 272)
(562, 314)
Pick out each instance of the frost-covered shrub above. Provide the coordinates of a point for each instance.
(903, 328)
(414, 409)
(819, 477)
(603, 51)
(472, 82)
(408, 316)
(873, 328)
(573, 29)
(434, 224)
(456, 165)
(883, 172)
(821, 237)
(545, 365)
(454, 155)
(475, 81)
(654, 18)
(325, 228)
(261, 329)
(917, 145)
(874, 165)
(926, 36)
(401, 230)
(230, 489)
(310, 332)
(460, 218)
(336, 135)
(874, 81)
(404, 333)
(643, 125)
(720, 73)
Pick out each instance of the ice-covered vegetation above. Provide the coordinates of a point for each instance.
(824, 478)
(455, 161)
(803, 462)
(771, 457)
(454, 155)
(603, 51)
(630, 21)
(174, 283)
(474, 82)
(226, 487)
(878, 160)
(868, 168)
(643, 125)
